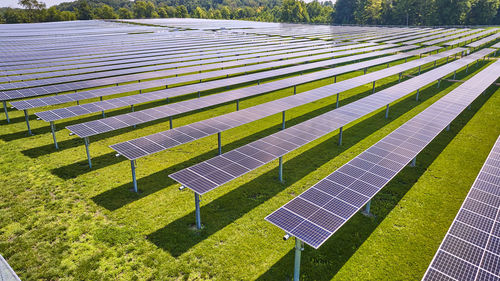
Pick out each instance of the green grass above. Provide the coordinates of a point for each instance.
(60, 220)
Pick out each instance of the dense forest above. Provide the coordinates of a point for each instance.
(366, 12)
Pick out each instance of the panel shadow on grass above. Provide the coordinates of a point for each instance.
(115, 198)
(222, 211)
(324, 263)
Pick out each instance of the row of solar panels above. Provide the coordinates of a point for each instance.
(311, 217)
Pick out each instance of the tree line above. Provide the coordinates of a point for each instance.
(366, 12)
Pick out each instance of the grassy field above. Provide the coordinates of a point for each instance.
(59, 220)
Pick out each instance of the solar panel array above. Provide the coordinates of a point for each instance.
(470, 250)
(137, 148)
(175, 61)
(39, 60)
(33, 103)
(471, 37)
(321, 210)
(78, 85)
(484, 40)
(215, 172)
(134, 118)
(176, 68)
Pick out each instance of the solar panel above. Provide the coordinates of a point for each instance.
(484, 40)
(280, 143)
(173, 59)
(451, 32)
(175, 69)
(130, 58)
(470, 248)
(200, 48)
(177, 108)
(71, 86)
(448, 38)
(471, 37)
(174, 137)
(321, 210)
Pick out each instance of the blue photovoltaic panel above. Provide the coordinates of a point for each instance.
(72, 83)
(471, 248)
(191, 105)
(344, 192)
(170, 138)
(289, 139)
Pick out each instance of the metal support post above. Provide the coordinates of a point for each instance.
(86, 140)
(400, 74)
(6, 112)
(466, 68)
(295, 89)
(387, 112)
(298, 251)
(220, 142)
(26, 116)
(237, 105)
(364, 70)
(197, 208)
(419, 70)
(53, 129)
(413, 162)
(103, 115)
(199, 94)
(448, 128)
(418, 91)
(134, 180)
(281, 169)
(283, 121)
(439, 82)
(340, 135)
(454, 74)
(373, 90)
(335, 79)
(337, 104)
(170, 120)
(366, 212)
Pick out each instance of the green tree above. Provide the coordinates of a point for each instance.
(53, 14)
(451, 12)
(33, 8)
(68, 15)
(294, 11)
(139, 9)
(105, 12)
(200, 13)
(368, 11)
(124, 13)
(225, 12)
(344, 11)
(182, 12)
(84, 11)
(483, 12)
(151, 10)
(15, 16)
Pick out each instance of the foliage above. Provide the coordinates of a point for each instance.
(366, 12)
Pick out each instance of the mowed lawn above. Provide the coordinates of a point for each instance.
(60, 220)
